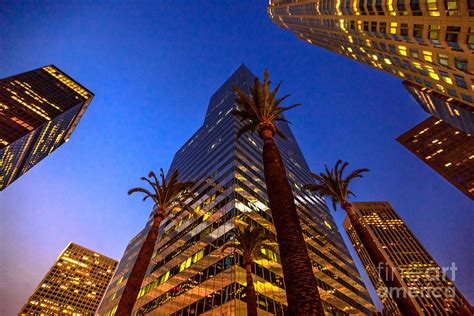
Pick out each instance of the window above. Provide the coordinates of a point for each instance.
(470, 38)
(460, 63)
(383, 27)
(366, 25)
(418, 30)
(460, 81)
(433, 34)
(373, 27)
(443, 59)
(432, 7)
(413, 53)
(393, 27)
(452, 7)
(446, 77)
(415, 7)
(402, 50)
(404, 29)
(452, 33)
(428, 56)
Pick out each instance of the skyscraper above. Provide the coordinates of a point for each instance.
(449, 110)
(425, 282)
(189, 274)
(39, 110)
(74, 285)
(427, 43)
(447, 150)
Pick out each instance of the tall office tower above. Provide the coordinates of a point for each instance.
(429, 43)
(449, 110)
(74, 285)
(39, 110)
(425, 282)
(447, 150)
(190, 275)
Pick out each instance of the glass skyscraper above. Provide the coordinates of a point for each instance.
(39, 110)
(428, 286)
(189, 274)
(74, 285)
(427, 43)
(449, 151)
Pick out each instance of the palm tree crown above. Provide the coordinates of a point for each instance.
(167, 195)
(261, 108)
(251, 241)
(333, 185)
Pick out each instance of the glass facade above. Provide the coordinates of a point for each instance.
(429, 43)
(454, 113)
(447, 150)
(432, 291)
(39, 110)
(190, 275)
(74, 285)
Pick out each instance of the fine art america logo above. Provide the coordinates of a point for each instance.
(430, 281)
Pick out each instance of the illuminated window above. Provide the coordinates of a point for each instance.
(402, 50)
(452, 7)
(428, 56)
(393, 27)
(443, 59)
(433, 33)
(432, 7)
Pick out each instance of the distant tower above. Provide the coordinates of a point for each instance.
(39, 110)
(428, 43)
(449, 151)
(433, 292)
(190, 275)
(74, 285)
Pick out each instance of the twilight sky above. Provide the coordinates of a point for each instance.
(153, 67)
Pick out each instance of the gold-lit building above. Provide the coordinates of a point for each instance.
(455, 113)
(429, 43)
(39, 110)
(430, 289)
(447, 150)
(74, 285)
(190, 275)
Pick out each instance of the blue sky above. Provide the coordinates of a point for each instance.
(153, 67)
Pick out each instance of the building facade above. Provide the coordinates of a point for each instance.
(429, 43)
(190, 275)
(449, 110)
(74, 285)
(39, 110)
(447, 150)
(430, 289)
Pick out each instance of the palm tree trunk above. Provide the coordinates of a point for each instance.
(250, 291)
(407, 308)
(301, 287)
(135, 279)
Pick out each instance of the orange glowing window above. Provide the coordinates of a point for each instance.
(22, 123)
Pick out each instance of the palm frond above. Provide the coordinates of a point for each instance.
(332, 184)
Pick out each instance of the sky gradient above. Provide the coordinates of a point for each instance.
(153, 68)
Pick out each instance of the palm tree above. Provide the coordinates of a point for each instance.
(333, 185)
(167, 196)
(250, 242)
(260, 111)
